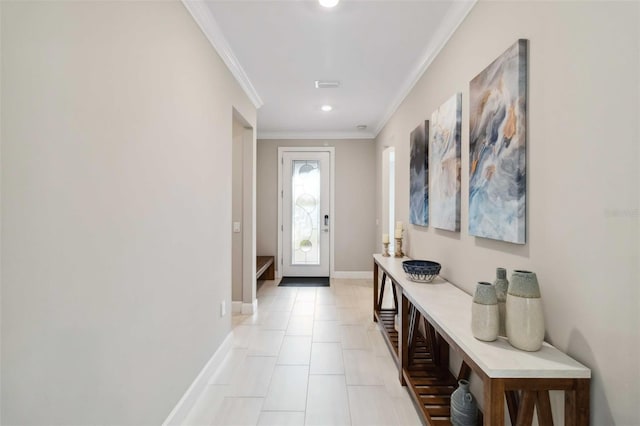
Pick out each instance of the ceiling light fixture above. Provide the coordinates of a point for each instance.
(326, 108)
(328, 3)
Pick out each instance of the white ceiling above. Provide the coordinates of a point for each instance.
(376, 49)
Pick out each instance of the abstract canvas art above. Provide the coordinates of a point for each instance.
(497, 148)
(444, 155)
(419, 176)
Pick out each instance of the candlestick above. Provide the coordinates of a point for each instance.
(398, 252)
(398, 225)
(398, 233)
(385, 253)
(385, 238)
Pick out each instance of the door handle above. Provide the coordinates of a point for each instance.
(326, 220)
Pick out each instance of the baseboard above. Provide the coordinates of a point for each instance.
(250, 308)
(244, 308)
(179, 413)
(353, 275)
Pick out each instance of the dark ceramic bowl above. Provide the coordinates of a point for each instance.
(422, 271)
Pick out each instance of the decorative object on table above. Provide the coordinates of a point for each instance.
(444, 155)
(497, 148)
(525, 321)
(419, 175)
(398, 237)
(398, 251)
(501, 285)
(464, 408)
(385, 243)
(422, 271)
(485, 317)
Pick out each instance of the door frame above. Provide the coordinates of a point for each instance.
(248, 303)
(332, 187)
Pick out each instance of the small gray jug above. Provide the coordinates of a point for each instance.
(502, 286)
(464, 408)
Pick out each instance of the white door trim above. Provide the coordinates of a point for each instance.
(332, 187)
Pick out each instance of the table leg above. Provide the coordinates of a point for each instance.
(544, 408)
(381, 296)
(525, 413)
(414, 319)
(395, 296)
(513, 402)
(375, 290)
(403, 343)
(493, 402)
(465, 371)
(576, 404)
(443, 351)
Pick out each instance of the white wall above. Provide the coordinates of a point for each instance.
(583, 183)
(236, 238)
(116, 209)
(354, 199)
(249, 253)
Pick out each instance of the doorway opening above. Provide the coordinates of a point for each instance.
(388, 193)
(243, 226)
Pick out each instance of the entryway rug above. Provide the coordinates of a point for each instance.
(304, 282)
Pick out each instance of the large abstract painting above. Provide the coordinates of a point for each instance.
(444, 155)
(497, 148)
(419, 176)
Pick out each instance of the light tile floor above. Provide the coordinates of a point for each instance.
(310, 356)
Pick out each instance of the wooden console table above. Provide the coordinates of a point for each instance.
(435, 317)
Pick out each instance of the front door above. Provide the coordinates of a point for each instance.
(305, 213)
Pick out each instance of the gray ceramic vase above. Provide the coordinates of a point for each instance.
(485, 318)
(464, 408)
(501, 285)
(525, 321)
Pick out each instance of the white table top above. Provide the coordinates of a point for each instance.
(449, 309)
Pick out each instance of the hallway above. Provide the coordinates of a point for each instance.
(309, 356)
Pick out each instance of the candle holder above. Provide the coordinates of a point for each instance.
(386, 250)
(398, 251)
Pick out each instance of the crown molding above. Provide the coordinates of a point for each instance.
(315, 135)
(207, 23)
(450, 23)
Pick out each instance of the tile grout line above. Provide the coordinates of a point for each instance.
(313, 327)
(346, 387)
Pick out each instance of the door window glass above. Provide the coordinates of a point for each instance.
(305, 187)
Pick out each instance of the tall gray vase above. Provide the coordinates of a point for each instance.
(501, 285)
(464, 408)
(525, 321)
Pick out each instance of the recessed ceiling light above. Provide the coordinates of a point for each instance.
(328, 3)
(361, 126)
(326, 108)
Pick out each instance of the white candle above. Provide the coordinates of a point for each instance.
(385, 238)
(399, 225)
(398, 233)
